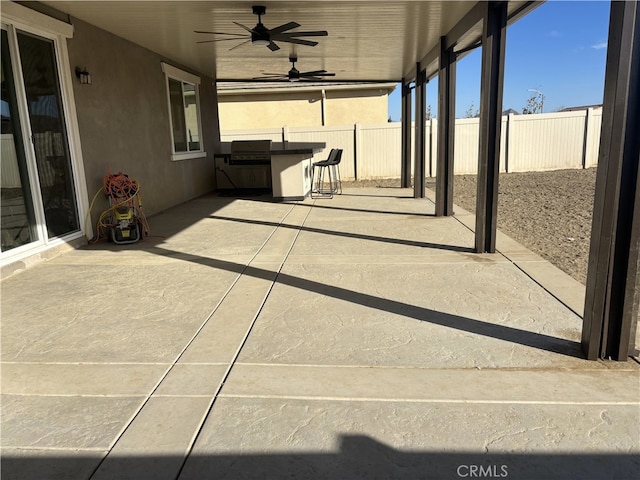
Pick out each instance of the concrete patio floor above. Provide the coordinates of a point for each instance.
(357, 337)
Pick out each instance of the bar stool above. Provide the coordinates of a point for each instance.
(335, 165)
(318, 191)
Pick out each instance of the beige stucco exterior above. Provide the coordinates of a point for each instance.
(127, 128)
(274, 107)
(119, 122)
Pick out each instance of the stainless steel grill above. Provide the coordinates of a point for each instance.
(250, 152)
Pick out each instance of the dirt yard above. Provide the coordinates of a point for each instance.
(548, 212)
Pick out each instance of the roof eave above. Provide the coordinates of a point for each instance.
(288, 88)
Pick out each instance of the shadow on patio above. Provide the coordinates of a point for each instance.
(357, 456)
(250, 338)
(500, 332)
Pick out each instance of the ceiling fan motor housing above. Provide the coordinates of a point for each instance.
(294, 75)
(260, 34)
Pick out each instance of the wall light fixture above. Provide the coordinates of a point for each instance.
(83, 75)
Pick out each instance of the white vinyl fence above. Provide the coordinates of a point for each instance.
(46, 144)
(548, 141)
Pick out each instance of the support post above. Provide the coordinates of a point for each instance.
(405, 175)
(419, 166)
(446, 129)
(611, 301)
(492, 77)
(357, 148)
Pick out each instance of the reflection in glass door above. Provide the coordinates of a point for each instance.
(38, 194)
(44, 101)
(18, 216)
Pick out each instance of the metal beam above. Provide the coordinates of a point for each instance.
(611, 303)
(446, 129)
(405, 171)
(492, 77)
(471, 19)
(419, 166)
(462, 28)
(430, 59)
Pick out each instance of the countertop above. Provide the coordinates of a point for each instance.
(280, 148)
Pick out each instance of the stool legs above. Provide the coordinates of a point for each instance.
(337, 186)
(318, 191)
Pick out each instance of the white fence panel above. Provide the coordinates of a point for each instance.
(549, 141)
(10, 173)
(431, 136)
(467, 138)
(335, 137)
(465, 150)
(380, 151)
(592, 143)
(546, 141)
(504, 131)
(46, 145)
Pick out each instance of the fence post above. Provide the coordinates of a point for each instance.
(429, 149)
(285, 133)
(507, 142)
(357, 145)
(434, 146)
(585, 140)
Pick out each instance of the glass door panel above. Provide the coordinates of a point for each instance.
(44, 103)
(17, 217)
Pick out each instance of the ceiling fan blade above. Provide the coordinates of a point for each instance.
(319, 33)
(219, 40)
(273, 47)
(319, 76)
(246, 28)
(221, 33)
(297, 41)
(239, 45)
(314, 72)
(271, 77)
(283, 28)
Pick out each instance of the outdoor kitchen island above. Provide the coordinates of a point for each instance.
(282, 167)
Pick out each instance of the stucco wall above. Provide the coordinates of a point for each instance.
(124, 122)
(269, 110)
(302, 109)
(344, 107)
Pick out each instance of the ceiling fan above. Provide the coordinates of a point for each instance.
(261, 35)
(294, 75)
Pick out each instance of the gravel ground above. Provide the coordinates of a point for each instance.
(548, 212)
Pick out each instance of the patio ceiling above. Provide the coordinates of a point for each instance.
(367, 40)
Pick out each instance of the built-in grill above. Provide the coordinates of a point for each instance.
(246, 166)
(250, 152)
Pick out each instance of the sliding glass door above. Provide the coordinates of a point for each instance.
(17, 210)
(38, 194)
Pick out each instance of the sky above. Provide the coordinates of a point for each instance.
(558, 49)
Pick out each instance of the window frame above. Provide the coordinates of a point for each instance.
(174, 73)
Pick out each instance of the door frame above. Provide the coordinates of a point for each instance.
(16, 17)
